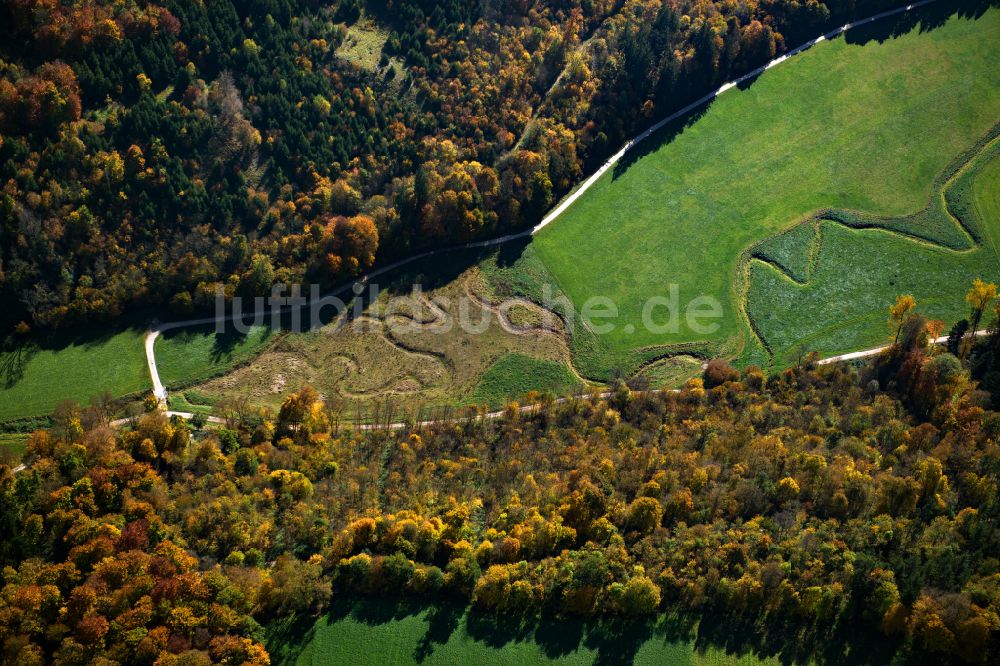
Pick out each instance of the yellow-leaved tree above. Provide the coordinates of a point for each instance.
(899, 312)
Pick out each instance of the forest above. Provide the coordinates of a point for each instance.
(823, 498)
(153, 151)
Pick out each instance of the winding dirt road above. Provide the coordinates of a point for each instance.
(878, 350)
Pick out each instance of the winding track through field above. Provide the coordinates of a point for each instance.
(358, 286)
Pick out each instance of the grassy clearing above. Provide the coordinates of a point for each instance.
(986, 200)
(12, 447)
(519, 271)
(387, 633)
(364, 44)
(791, 251)
(839, 310)
(38, 374)
(187, 355)
(409, 347)
(525, 317)
(672, 372)
(515, 375)
(862, 126)
(190, 401)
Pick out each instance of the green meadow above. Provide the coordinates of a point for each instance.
(12, 447)
(986, 199)
(186, 356)
(515, 375)
(38, 373)
(387, 633)
(864, 122)
(854, 268)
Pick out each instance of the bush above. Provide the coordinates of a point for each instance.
(718, 372)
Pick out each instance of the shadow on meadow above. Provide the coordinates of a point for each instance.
(615, 641)
(224, 343)
(925, 19)
(662, 137)
(17, 351)
(14, 356)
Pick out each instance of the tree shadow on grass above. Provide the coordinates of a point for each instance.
(224, 343)
(613, 640)
(377, 610)
(557, 638)
(617, 641)
(16, 352)
(792, 642)
(927, 18)
(497, 631)
(658, 139)
(286, 638)
(443, 620)
(14, 357)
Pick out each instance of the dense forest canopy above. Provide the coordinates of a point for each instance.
(822, 501)
(151, 150)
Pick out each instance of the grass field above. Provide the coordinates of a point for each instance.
(364, 45)
(190, 401)
(515, 375)
(864, 122)
(37, 375)
(986, 199)
(518, 271)
(840, 310)
(12, 447)
(671, 372)
(188, 355)
(385, 633)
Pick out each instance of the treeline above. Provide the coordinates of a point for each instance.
(152, 150)
(823, 499)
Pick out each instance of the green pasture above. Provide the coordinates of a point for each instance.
(186, 356)
(514, 375)
(12, 447)
(864, 122)
(37, 373)
(857, 263)
(986, 199)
